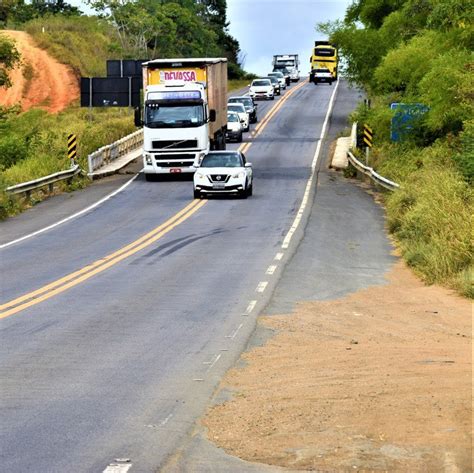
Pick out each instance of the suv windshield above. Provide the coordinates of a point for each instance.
(222, 160)
(173, 116)
(246, 101)
(273, 80)
(261, 83)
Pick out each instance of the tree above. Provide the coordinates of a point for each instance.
(9, 58)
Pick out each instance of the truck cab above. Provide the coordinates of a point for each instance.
(176, 117)
(324, 58)
(184, 113)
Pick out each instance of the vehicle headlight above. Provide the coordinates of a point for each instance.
(239, 175)
(199, 175)
(148, 158)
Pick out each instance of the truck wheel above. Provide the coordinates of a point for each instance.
(239, 139)
(273, 97)
(150, 177)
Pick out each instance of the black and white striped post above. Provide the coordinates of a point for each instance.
(368, 139)
(72, 148)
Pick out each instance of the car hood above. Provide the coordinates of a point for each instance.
(263, 88)
(222, 171)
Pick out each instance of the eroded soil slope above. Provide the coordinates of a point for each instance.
(377, 381)
(48, 84)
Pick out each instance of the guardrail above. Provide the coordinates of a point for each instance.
(111, 152)
(368, 171)
(27, 187)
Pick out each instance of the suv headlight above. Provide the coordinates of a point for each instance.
(239, 175)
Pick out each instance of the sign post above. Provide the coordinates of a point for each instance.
(368, 137)
(72, 148)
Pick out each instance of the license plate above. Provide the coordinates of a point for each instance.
(219, 185)
(175, 170)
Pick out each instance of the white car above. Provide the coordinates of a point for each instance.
(244, 116)
(223, 172)
(262, 89)
(280, 77)
(234, 127)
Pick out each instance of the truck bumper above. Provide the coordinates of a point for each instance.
(178, 163)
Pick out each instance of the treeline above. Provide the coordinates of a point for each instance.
(420, 52)
(139, 29)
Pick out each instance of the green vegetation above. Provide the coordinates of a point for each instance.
(33, 144)
(420, 51)
(9, 57)
(64, 37)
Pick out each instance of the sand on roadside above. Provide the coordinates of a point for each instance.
(380, 380)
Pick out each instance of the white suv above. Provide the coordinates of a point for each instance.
(262, 89)
(244, 116)
(280, 77)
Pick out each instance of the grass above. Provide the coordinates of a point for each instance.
(64, 39)
(34, 144)
(233, 85)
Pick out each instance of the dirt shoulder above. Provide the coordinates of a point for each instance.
(380, 380)
(40, 81)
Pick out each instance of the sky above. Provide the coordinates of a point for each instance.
(267, 27)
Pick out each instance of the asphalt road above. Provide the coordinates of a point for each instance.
(119, 360)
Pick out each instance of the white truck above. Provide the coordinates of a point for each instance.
(289, 62)
(184, 115)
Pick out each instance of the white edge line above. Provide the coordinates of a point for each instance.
(117, 468)
(271, 269)
(262, 286)
(250, 307)
(218, 357)
(299, 215)
(235, 332)
(279, 256)
(78, 214)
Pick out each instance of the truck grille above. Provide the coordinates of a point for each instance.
(174, 160)
(174, 144)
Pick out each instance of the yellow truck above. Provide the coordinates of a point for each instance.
(324, 62)
(185, 113)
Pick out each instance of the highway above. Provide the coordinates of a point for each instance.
(117, 326)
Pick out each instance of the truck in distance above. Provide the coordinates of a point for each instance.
(289, 62)
(324, 62)
(185, 113)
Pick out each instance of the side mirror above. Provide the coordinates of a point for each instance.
(242, 121)
(248, 165)
(212, 116)
(138, 117)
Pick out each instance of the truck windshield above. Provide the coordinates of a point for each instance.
(286, 63)
(328, 52)
(174, 116)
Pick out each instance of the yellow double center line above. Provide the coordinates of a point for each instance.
(259, 128)
(81, 275)
(75, 278)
